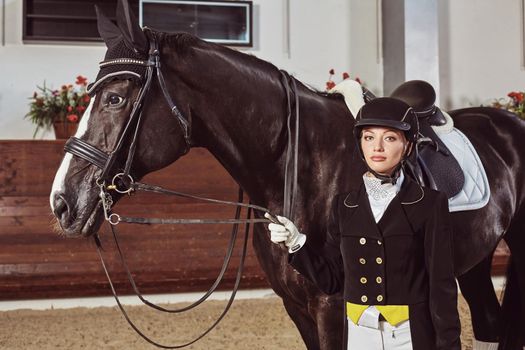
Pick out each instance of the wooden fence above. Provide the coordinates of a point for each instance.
(35, 262)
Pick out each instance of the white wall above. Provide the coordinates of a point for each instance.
(481, 50)
(366, 59)
(320, 39)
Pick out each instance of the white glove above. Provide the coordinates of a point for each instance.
(286, 233)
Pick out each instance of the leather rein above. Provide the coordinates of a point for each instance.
(123, 183)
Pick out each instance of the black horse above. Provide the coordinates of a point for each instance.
(237, 107)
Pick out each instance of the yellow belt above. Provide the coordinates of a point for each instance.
(393, 314)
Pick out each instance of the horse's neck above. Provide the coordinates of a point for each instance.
(240, 116)
(253, 143)
(248, 139)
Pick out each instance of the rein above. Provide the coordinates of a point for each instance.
(115, 219)
(123, 183)
(193, 305)
(292, 151)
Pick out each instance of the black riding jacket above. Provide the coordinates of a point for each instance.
(410, 249)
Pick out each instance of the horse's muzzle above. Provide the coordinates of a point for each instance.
(71, 223)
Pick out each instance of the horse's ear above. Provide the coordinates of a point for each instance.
(130, 28)
(109, 32)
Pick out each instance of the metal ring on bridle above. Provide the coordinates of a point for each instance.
(116, 188)
(114, 219)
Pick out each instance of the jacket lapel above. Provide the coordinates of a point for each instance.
(361, 221)
(395, 220)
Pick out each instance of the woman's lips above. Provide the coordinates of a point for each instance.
(378, 158)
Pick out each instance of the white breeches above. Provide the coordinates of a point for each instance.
(385, 337)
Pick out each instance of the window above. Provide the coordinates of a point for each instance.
(225, 22)
(65, 20)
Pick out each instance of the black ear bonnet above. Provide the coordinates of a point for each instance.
(126, 43)
(121, 71)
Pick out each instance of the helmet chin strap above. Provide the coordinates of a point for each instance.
(392, 179)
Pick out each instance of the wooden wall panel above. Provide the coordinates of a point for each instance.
(35, 262)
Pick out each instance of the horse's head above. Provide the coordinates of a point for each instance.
(126, 112)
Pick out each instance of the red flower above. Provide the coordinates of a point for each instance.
(81, 80)
(331, 71)
(81, 109)
(516, 96)
(86, 98)
(330, 85)
(73, 118)
(346, 75)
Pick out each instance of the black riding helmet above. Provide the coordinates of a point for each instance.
(390, 113)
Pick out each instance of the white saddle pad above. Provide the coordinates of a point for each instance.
(476, 190)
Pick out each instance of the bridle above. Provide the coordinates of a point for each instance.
(123, 182)
(106, 161)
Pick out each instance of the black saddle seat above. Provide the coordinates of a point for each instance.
(421, 96)
(434, 165)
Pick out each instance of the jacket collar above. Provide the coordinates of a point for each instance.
(410, 193)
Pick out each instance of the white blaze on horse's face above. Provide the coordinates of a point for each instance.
(60, 177)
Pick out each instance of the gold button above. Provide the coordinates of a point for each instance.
(362, 261)
(380, 298)
(362, 240)
(379, 280)
(379, 260)
(362, 280)
(379, 242)
(364, 299)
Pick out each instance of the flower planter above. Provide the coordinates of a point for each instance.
(64, 130)
(61, 107)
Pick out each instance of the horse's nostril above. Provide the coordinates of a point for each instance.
(61, 209)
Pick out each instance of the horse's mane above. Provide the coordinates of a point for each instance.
(248, 63)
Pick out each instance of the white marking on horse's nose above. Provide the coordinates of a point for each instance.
(60, 177)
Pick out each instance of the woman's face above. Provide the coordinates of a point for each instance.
(383, 148)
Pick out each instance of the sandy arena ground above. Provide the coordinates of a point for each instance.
(251, 324)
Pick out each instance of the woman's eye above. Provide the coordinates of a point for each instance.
(390, 138)
(114, 100)
(367, 138)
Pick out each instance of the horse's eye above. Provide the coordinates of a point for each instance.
(114, 100)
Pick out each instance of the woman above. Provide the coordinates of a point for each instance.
(388, 247)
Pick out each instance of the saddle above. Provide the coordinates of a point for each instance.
(433, 165)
